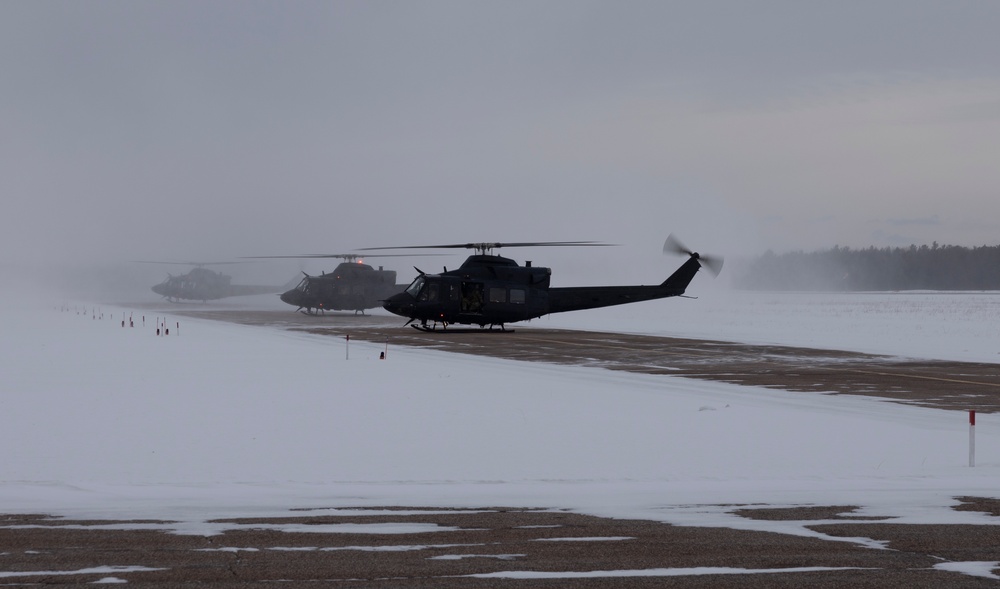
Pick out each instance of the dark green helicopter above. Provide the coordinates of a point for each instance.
(490, 290)
(202, 284)
(351, 286)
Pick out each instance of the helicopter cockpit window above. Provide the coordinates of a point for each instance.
(517, 295)
(430, 293)
(414, 289)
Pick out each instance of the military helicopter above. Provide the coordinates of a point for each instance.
(202, 284)
(490, 290)
(352, 286)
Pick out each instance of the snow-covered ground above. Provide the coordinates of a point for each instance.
(219, 420)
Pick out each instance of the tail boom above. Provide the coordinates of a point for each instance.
(593, 297)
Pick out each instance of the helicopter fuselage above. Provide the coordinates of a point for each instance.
(198, 284)
(350, 287)
(493, 290)
(486, 290)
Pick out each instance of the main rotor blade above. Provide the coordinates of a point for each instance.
(185, 263)
(493, 245)
(340, 256)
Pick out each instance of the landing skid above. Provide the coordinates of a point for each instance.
(436, 329)
(312, 312)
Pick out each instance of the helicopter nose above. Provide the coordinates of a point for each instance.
(399, 304)
(291, 297)
(159, 289)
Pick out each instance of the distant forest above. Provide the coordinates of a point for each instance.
(923, 267)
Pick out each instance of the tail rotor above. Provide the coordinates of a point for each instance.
(674, 246)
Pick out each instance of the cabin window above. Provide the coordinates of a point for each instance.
(498, 295)
(517, 295)
(472, 297)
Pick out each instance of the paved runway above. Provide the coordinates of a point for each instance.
(931, 383)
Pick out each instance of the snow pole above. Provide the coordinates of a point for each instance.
(386, 352)
(972, 438)
(347, 347)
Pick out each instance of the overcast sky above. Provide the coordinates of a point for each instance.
(212, 130)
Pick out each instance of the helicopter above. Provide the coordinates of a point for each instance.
(491, 290)
(352, 286)
(202, 284)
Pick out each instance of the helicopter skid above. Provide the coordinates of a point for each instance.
(435, 329)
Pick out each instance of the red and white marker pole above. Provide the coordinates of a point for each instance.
(972, 438)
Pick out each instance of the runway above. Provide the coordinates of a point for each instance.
(930, 383)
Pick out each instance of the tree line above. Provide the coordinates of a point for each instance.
(932, 267)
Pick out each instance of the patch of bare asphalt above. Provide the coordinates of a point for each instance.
(929, 383)
(809, 512)
(484, 541)
(980, 504)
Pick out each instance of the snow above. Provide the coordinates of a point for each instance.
(974, 569)
(222, 421)
(678, 572)
(101, 569)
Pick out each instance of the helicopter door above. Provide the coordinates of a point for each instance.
(472, 297)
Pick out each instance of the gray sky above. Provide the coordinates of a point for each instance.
(211, 130)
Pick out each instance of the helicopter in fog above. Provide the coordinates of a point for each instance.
(490, 290)
(202, 284)
(351, 286)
